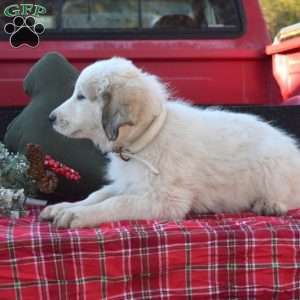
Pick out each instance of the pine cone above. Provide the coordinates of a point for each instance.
(48, 183)
(36, 158)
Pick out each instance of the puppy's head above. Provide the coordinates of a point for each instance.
(113, 104)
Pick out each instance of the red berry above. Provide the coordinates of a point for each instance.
(60, 171)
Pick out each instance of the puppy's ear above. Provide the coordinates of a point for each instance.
(116, 113)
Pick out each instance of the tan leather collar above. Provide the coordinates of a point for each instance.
(147, 137)
(131, 152)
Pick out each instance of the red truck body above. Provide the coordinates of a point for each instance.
(206, 71)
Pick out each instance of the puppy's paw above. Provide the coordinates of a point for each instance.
(266, 208)
(49, 212)
(82, 220)
(73, 217)
(65, 216)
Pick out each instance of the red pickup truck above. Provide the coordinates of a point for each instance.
(211, 52)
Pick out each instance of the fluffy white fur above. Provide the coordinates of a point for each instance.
(208, 160)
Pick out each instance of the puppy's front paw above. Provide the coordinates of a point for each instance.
(73, 217)
(65, 216)
(49, 212)
(83, 219)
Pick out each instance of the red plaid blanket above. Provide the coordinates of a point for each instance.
(205, 257)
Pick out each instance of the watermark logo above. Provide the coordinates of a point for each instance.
(24, 30)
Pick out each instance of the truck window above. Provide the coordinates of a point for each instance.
(140, 18)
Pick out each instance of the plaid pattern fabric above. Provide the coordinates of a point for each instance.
(204, 257)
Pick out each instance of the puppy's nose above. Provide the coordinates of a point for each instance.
(52, 118)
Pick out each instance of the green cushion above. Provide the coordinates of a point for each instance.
(49, 83)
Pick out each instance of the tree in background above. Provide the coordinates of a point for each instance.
(280, 13)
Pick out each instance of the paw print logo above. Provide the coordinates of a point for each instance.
(24, 31)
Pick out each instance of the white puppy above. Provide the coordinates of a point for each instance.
(167, 157)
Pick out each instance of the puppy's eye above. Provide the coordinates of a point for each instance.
(80, 97)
